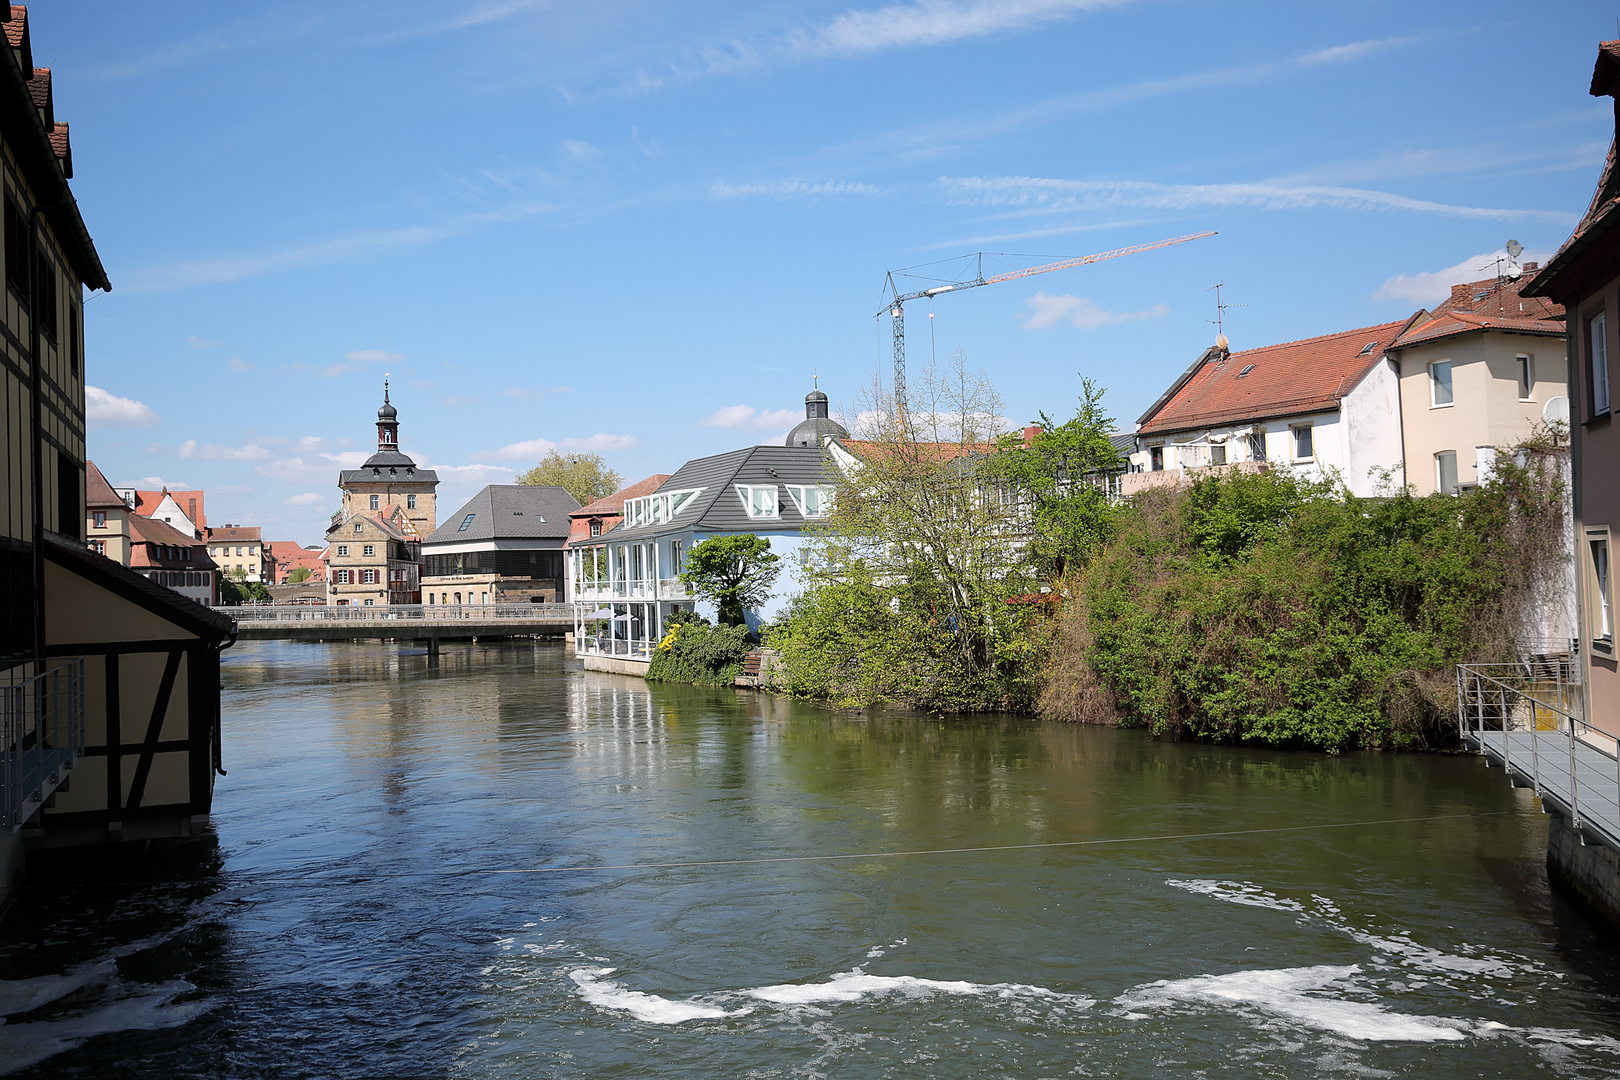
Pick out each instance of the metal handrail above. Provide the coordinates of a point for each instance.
(41, 738)
(1488, 703)
(406, 612)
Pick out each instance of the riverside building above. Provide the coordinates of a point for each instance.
(505, 546)
(374, 541)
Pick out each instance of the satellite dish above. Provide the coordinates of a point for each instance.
(1220, 341)
(1556, 411)
(1514, 249)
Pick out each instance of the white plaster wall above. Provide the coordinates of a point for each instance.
(1371, 430)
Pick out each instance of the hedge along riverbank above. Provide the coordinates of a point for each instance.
(692, 651)
(1261, 608)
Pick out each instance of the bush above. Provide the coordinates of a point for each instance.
(1260, 608)
(692, 651)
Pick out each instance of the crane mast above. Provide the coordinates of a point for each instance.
(897, 311)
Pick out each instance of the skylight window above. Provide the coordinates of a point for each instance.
(466, 522)
(1367, 348)
(1246, 369)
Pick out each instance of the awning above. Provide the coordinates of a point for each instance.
(601, 613)
(625, 618)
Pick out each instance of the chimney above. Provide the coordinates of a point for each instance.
(1531, 267)
(1030, 434)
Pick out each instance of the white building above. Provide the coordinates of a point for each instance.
(1327, 407)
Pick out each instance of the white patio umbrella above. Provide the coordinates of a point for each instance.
(600, 613)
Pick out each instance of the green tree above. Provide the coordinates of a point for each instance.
(237, 573)
(733, 573)
(301, 574)
(584, 476)
(1058, 478)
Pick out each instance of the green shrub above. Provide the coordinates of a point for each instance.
(692, 651)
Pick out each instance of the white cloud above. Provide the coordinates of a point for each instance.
(746, 418)
(1143, 194)
(535, 449)
(580, 151)
(1431, 287)
(460, 401)
(782, 189)
(308, 498)
(1046, 311)
(199, 343)
(351, 247)
(157, 483)
(325, 466)
(534, 391)
(236, 363)
(372, 356)
(104, 410)
(215, 452)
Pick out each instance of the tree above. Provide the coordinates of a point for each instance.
(584, 476)
(733, 573)
(301, 574)
(237, 573)
(1059, 478)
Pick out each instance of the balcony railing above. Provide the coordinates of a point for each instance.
(648, 589)
(41, 738)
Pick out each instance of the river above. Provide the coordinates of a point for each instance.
(441, 868)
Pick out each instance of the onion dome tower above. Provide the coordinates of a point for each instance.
(817, 424)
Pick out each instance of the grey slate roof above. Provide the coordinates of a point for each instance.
(509, 512)
(388, 465)
(719, 509)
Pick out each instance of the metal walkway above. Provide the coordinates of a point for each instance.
(1523, 718)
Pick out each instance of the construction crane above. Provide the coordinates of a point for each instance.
(896, 306)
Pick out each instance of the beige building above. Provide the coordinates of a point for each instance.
(1482, 371)
(106, 525)
(239, 548)
(375, 540)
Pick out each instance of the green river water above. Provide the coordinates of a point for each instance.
(440, 868)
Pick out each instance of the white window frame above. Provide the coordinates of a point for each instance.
(368, 551)
(658, 509)
(747, 493)
(343, 551)
(1435, 383)
(1598, 349)
(1293, 441)
(1527, 376)
(1440, 472)
(799, 493)
(1600, 615)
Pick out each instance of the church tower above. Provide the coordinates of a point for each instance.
(390, 478)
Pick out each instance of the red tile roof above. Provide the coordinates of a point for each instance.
(147, 501)
(1293, 378)
(98, 493)
(145, 531)
(17, 25)
(62, 148)
(233, 533)
(609, 505)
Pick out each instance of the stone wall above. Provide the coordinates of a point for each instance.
(1592, 870)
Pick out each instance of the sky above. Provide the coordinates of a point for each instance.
(643, 229)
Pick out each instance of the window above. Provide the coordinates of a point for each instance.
(1600, 586)
(1304, 443)
(1440, 384)
(375, 500)
(45, 302)
(370, 602)
(675, 558)
(759, 502)
(1527, 378)
(813, 502)
(1257, 446)
(410, 502)
(356, 530)
(369, 550)
(73, 350)
(99, 517)
(238, 551)
(1445, 472)
(430, 599)
(340, 577)
(1600, 364)
(368, 577)
(596, 527)
(99, 546)
(343, 551)
(458, 598)
(466, 522)
(16, 250)
(1155, 459)
(1217, 454)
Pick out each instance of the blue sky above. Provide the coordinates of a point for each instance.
(639, 228)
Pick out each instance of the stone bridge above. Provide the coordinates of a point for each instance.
(402, 622)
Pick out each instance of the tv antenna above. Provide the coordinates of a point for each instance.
(1220, 314)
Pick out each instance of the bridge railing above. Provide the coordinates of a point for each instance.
(436, 613)
(1528, 715)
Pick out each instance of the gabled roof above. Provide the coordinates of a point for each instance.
(233, 533)
(147, 503)
(610, 505)
(144, 530)
(510, 512)
(1289, 379)
(98, 493)
(719, 508)
(189, 615)
(1490, 304)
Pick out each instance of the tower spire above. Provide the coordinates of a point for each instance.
(387, 422)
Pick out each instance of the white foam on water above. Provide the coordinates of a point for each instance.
(25, 1044)
(1239, 892)
(1301, 995)
(648, 1008)
(26, 995)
